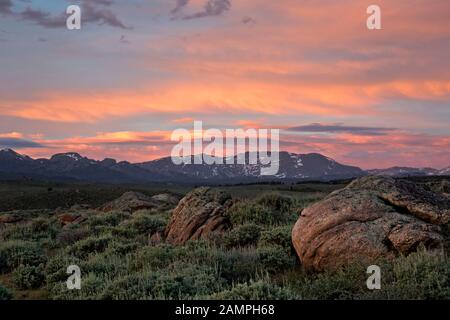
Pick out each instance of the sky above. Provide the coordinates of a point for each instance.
(137, 70)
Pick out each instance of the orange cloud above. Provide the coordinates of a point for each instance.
(312, 59)
(183, 120)
(393, 148)
(224, 97)
(16, 135)
(126, 145)
(300, 58)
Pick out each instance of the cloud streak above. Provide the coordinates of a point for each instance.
(42, 18)
(367, 151)
(6, 6)
(180, 4)
(338, 128)
(210, 9)
(91, 13)
(312, 63)
(101, 16)
(16, 143)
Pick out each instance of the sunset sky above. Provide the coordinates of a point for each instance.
(139, 69)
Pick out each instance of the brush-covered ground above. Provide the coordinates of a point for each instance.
(118, 260)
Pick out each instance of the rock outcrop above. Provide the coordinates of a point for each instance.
(134, 201)
(166, 198)
(200, 214)
(373, 217)
(70, 218)
(8, 218)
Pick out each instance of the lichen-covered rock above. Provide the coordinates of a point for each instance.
(372, 217)
(166, 198)
(8, 218)
(134, 201)
(70, 218)
(200, 214)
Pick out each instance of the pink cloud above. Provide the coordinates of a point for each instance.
(393, 148)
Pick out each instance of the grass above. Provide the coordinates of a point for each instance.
(255, 260)
(28, 195)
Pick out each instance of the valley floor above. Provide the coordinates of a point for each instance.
(45, 227)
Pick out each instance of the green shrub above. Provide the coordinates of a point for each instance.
(16, 232)
(108, 219)
(136, 286)
(421, 275)
(14, 253)
(89, 245)
(91, 286)
(97, 271)
(70, 236)
(236, 265)
(275, 259)
(186, 281)
(101, 231)
(106, 265)
(122, 248)
(177, 281)
(40, 225)
(260, 290)
(343, 284)
(29, 277)
(124, 231)
(241, 236)
(35, 230)
(147, 223)
(5, 294)
(276, 202)
(244, 212)
(280, 236)
(155, 257)
(271, 209)
(56, 268)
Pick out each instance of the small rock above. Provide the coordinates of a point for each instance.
(130, 202)
(134, 201)
(69, 218)
(166, 198)
(156, 238)
(7, 218)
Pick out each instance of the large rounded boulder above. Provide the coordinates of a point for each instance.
(199, 215)
(373, 217)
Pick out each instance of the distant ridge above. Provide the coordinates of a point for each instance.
(410, 172)
(72, 166)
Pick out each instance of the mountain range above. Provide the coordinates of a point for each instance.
(72, 166)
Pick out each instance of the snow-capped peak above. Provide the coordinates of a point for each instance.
(12, 152)
(74, 156)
